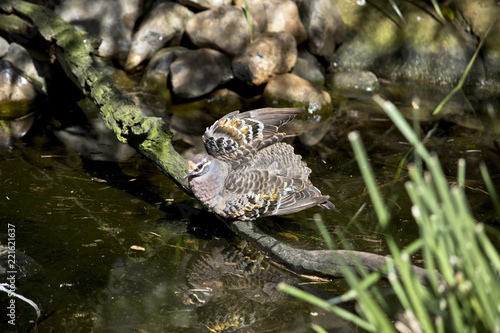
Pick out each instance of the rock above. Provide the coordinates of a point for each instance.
(223, 28)
(17, 95)
(270, 54)
(354, 83)
(14, 129)
(276, 16)
(112, 20)
(379, 39)
(205, 111)
(4, 47)
(154, 81)
(184, 128)
(289, 90)
(16, 92)
(22, 60)
(199, 72)
(258, 12)
(479, 15)
(308, 68)
(283, 15)
(216, 105)
(205, 4)
(221, 102)
(323, 23)
(434, 51)
(420, 50)
(163, 24)
(157, 72)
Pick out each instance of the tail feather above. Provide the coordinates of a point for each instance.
(273, 116)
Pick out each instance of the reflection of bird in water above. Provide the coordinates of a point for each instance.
(248, 173)
(234, 289)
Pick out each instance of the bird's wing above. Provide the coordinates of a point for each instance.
(256, 193)
(237, 137)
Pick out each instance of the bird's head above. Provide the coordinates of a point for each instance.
(199, 165)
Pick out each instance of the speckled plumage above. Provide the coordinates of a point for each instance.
(248, 173)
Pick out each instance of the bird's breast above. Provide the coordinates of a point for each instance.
(208, 190)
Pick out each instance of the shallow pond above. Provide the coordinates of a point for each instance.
(112, 246)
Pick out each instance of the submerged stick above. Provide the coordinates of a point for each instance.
(324, 263)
